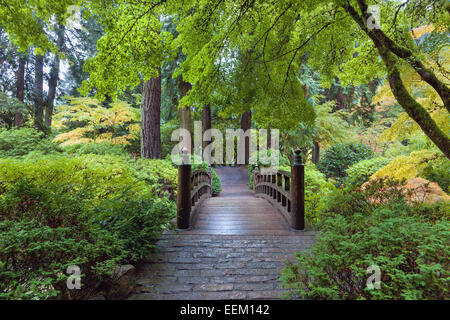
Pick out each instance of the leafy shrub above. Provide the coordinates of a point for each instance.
(9, 107)
(407, 167)
(438, 171)
(167, 144)
(99, 177)
(96, 148)
(20, 142)
(136, 221)
(375, 226)
(216, 183)
(340, 157)
(92, 211)
(42, 232)
(362, 171)
(91, 122)
(317, 192)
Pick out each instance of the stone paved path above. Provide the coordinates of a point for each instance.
(234, 251)
(205, 267)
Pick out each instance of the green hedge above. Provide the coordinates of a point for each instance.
(20, 142)
(362, 171)
(376, 226)
(339, 157)
(91, 211)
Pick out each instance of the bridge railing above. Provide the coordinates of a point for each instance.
(285, 190)
(193, 188)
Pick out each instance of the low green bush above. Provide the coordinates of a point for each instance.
(42, 232)
(438, 171)
(339, 157)
(91, 211)
(361, 172)
(20, 142)
(95, 148)
(317, 192)
(375, 227)
(136, 222)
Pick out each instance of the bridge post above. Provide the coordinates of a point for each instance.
(298, 192)
(184, 201)
(255, 175)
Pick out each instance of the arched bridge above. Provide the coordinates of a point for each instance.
(274, 207)
(232, 246)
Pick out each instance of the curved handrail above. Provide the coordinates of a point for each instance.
(201, 187)
(276, 188)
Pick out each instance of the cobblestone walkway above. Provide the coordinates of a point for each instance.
(215, 267)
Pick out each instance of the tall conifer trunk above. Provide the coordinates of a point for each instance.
(20, 85)
(185, 113)
(54, 78)
(39, 92)
(151, 119)
(206, 125)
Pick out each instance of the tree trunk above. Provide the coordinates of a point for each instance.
(54, 78)
(39, 92)
(206, 125)
(20, 85)
(269, 137)
(316, 152)
(151, 119)
(246, 124)
(185, 113)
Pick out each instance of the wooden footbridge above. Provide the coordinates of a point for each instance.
(275, 206)
(232, 246)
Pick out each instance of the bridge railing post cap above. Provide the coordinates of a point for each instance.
(298, 158)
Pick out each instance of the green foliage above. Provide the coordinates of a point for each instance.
(43, 230)
(438, 171)
(20, 142)
(90, 122)
(167, 144)
(340, 157)
(362, 171)
(92, 211)
(216, 183)
(317, 192)
(409, 243)
(8, 108)
(136, 222)
(95, 148)
(407, 167)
